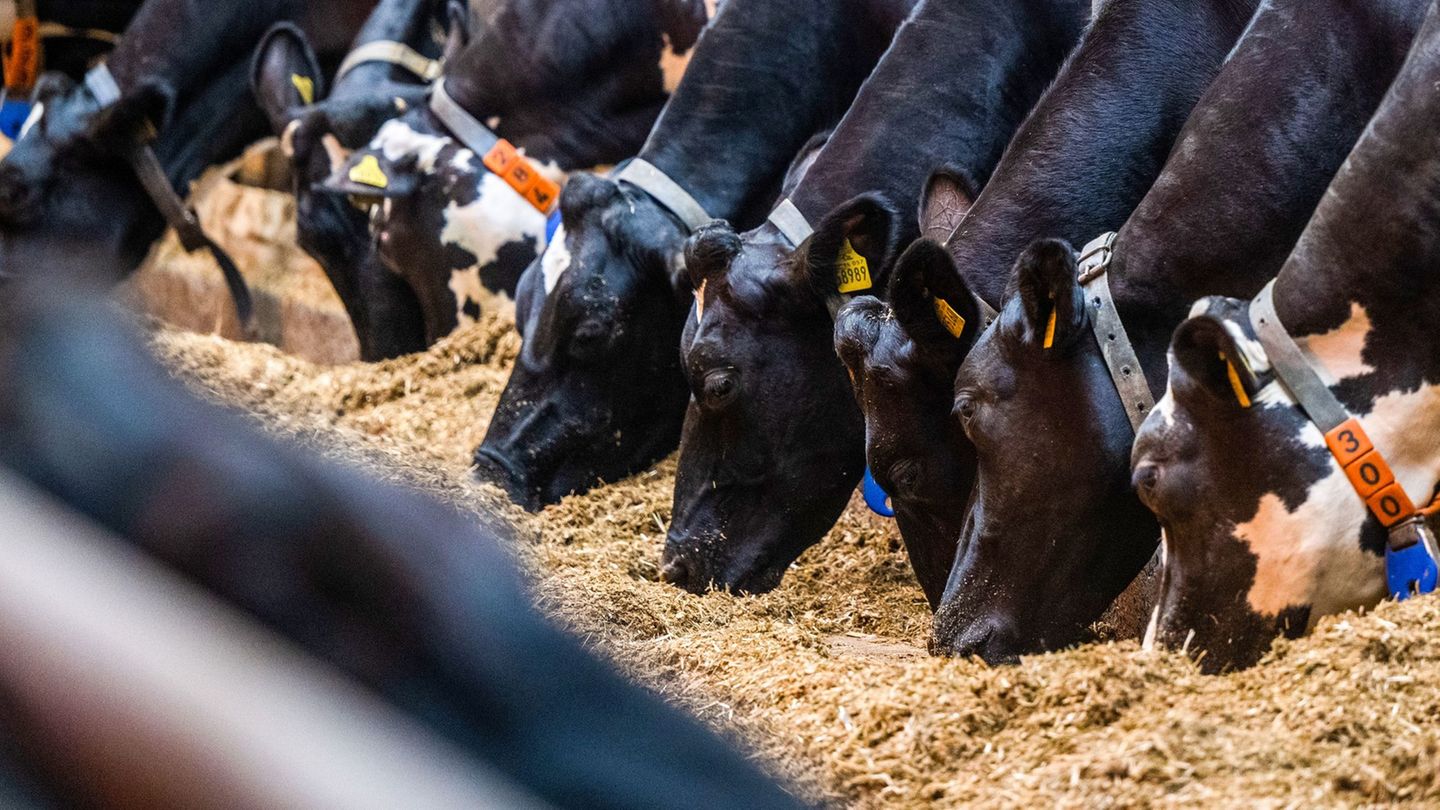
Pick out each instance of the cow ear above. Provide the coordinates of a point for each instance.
(709, 252)
(457, 21)
(851, 246)
(857, 329)
(285, 74)
(932, 303)
(151, 103)
(1052, 305)
(1208, 367)
(946, 200)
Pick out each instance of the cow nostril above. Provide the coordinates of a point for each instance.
(675, 572)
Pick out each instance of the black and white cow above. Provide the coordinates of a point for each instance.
(597, 393)
(1264, 531)
(571, 85)
(318, 132)
(773, 441)
(415, 600)
(1055, 532)
(181, 66)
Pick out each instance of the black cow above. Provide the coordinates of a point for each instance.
(571, 85)
(773, 440)
(317, 134)
(1245, 174)
(1264, 531)
(181, 67)
(597, 393)
(408, 596)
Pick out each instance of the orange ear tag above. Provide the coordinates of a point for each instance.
(851, 270)
(1235, 384)
(22, 63)
(700, 301)
(1050, 327)
(953, 322)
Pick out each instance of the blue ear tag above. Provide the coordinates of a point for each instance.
(875, 497)
(552, 225)
(12, 117)
(1409, 571)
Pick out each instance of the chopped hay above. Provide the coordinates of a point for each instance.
(826, 680)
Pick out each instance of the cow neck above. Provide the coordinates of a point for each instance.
(160, 43)
(396, 33)
(1099, 137)
(759, 85)
(156, 184)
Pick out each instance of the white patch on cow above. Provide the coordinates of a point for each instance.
(493, 122)
(1340, 353)
(337, 154)
(499, 216)
(401, 105)
(36, 113)
(672, 63)
(397, 139)
(1312, 555)
(555, 261)
(287, 139)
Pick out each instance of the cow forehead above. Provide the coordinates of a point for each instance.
(398, 138)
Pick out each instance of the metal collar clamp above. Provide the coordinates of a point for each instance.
(643, 175)
(1370, 475)
(395, 53)
(1125, 370)
(182, 218)
(498, 154)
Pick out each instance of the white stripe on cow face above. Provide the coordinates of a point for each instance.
(555, 261)
(36, 113)
(499, 216)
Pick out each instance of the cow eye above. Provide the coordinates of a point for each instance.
(965, 408)
(720, 388)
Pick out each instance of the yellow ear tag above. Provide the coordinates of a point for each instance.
(368, 173)
(851, 270)
(1235, 383)
(953, 322)
(700, 301)
(305, 86)
(1050, 327)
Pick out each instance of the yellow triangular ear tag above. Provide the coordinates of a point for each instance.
(700, 301)
(368, 173)
(305, 86)
(953, 321)
(1235, 384)
(852, 272)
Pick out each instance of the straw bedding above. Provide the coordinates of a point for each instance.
(826, 680)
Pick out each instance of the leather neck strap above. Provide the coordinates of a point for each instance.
(395, 53)
(796, 229)
(498, 154)
(1115, 346)
(151, 174)
(643, 175)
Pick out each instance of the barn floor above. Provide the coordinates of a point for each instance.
(826, 680)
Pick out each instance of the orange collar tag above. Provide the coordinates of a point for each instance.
(509, 165)
(1368, 472)
(22, 62)
(953, 321)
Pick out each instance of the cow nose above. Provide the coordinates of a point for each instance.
(681, 572)
(985, 638)
(494, 467)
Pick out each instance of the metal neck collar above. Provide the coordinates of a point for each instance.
(1124, 366)
(497, 154)
(394, 53)
(671, 196)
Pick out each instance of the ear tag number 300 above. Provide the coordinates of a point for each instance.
(851, 270)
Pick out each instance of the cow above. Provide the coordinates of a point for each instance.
(1264, 530)
(596, 393)
(318, 132)
(773, 441)
(179, 74)
(569, 85)
(1246, 172)
(415, 599)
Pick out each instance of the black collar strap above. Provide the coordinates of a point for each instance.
(176, 213)
(1125, 370)
(1367, 470)
(395, 53)
(643, 175)
(498, 154)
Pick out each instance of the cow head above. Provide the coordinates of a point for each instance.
(772, 445)
(317, 134)
(1054, 533)
(596, 393)
(902, 357)
(1263, 532)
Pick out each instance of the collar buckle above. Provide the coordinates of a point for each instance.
(1095, 257)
